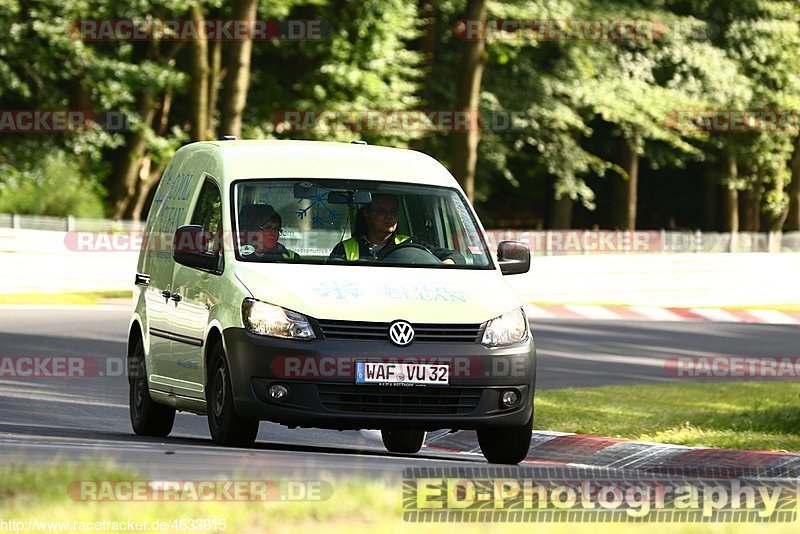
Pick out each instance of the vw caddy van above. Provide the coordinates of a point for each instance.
(259, 296)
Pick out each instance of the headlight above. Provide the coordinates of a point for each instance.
(507, 329)
(269, 320)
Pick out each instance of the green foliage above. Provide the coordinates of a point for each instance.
(55, 185)
(573, 103)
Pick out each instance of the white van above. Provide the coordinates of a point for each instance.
(328, 285)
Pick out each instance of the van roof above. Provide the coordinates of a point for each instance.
(251, 159)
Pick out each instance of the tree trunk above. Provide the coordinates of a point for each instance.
(793, 218)
(750, 206)
(561, 218)
(214, 79)
(626, 190)
(429, 13)
(79, 96)
(237, 65)
(429, 16)
(730, 198)
(125, 167)
(464, 143)
(710, 193)
(149, 174)
(773, 221)
(198, 129)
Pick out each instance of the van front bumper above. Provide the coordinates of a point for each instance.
(320, 377)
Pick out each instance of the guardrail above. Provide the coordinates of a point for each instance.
(35, 261)
(66, 224)
(541, 242)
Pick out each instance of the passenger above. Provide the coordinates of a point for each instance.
(375, 234)
(261, 227)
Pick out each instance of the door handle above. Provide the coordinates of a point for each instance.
(176, 297)
(166, 294)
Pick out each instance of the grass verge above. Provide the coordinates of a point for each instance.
(82, 298)
(39, 495)
(738, 415)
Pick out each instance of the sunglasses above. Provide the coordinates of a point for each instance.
(274, 228)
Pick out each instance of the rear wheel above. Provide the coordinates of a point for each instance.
(403, 440)
(148, 418)
(225, 426)
(507, 445)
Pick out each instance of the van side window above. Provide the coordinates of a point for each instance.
(208, 214)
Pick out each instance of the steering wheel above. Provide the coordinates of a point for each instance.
(406, 252)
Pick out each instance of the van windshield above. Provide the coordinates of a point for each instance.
(355, 222)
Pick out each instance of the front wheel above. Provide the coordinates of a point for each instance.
(225, 426)
(148, 418)
(403, 440)
(507, 445)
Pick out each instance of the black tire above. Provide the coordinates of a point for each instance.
(403, 440)
(225, 426)
(506, 445)
(148, 418)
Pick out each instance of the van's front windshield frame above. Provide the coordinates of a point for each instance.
(415, 200)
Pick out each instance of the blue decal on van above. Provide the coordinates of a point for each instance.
(423, 292)
(338, 291)
(317, 203)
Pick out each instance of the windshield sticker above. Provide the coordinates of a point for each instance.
(426, 293)
(275, 196)
(246, 250)
(338, 291)
(315, 210)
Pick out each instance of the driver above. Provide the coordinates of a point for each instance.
(377, 233)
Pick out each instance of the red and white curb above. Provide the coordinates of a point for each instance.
(653, 313)
(577, 450)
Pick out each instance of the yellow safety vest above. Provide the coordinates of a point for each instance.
(351, 250)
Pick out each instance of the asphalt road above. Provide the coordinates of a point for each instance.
(42, 419)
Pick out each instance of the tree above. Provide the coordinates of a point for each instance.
(465, 143)
(237, 72)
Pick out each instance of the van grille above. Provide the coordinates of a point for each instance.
(402, 400)
(430, 333)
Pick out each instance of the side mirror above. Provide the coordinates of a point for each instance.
(514, 257)
(188, 248)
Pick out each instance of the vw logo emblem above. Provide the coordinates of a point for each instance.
(401, 333)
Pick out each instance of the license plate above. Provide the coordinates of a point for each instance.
(402, 373)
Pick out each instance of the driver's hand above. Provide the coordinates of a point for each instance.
(449, 261)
